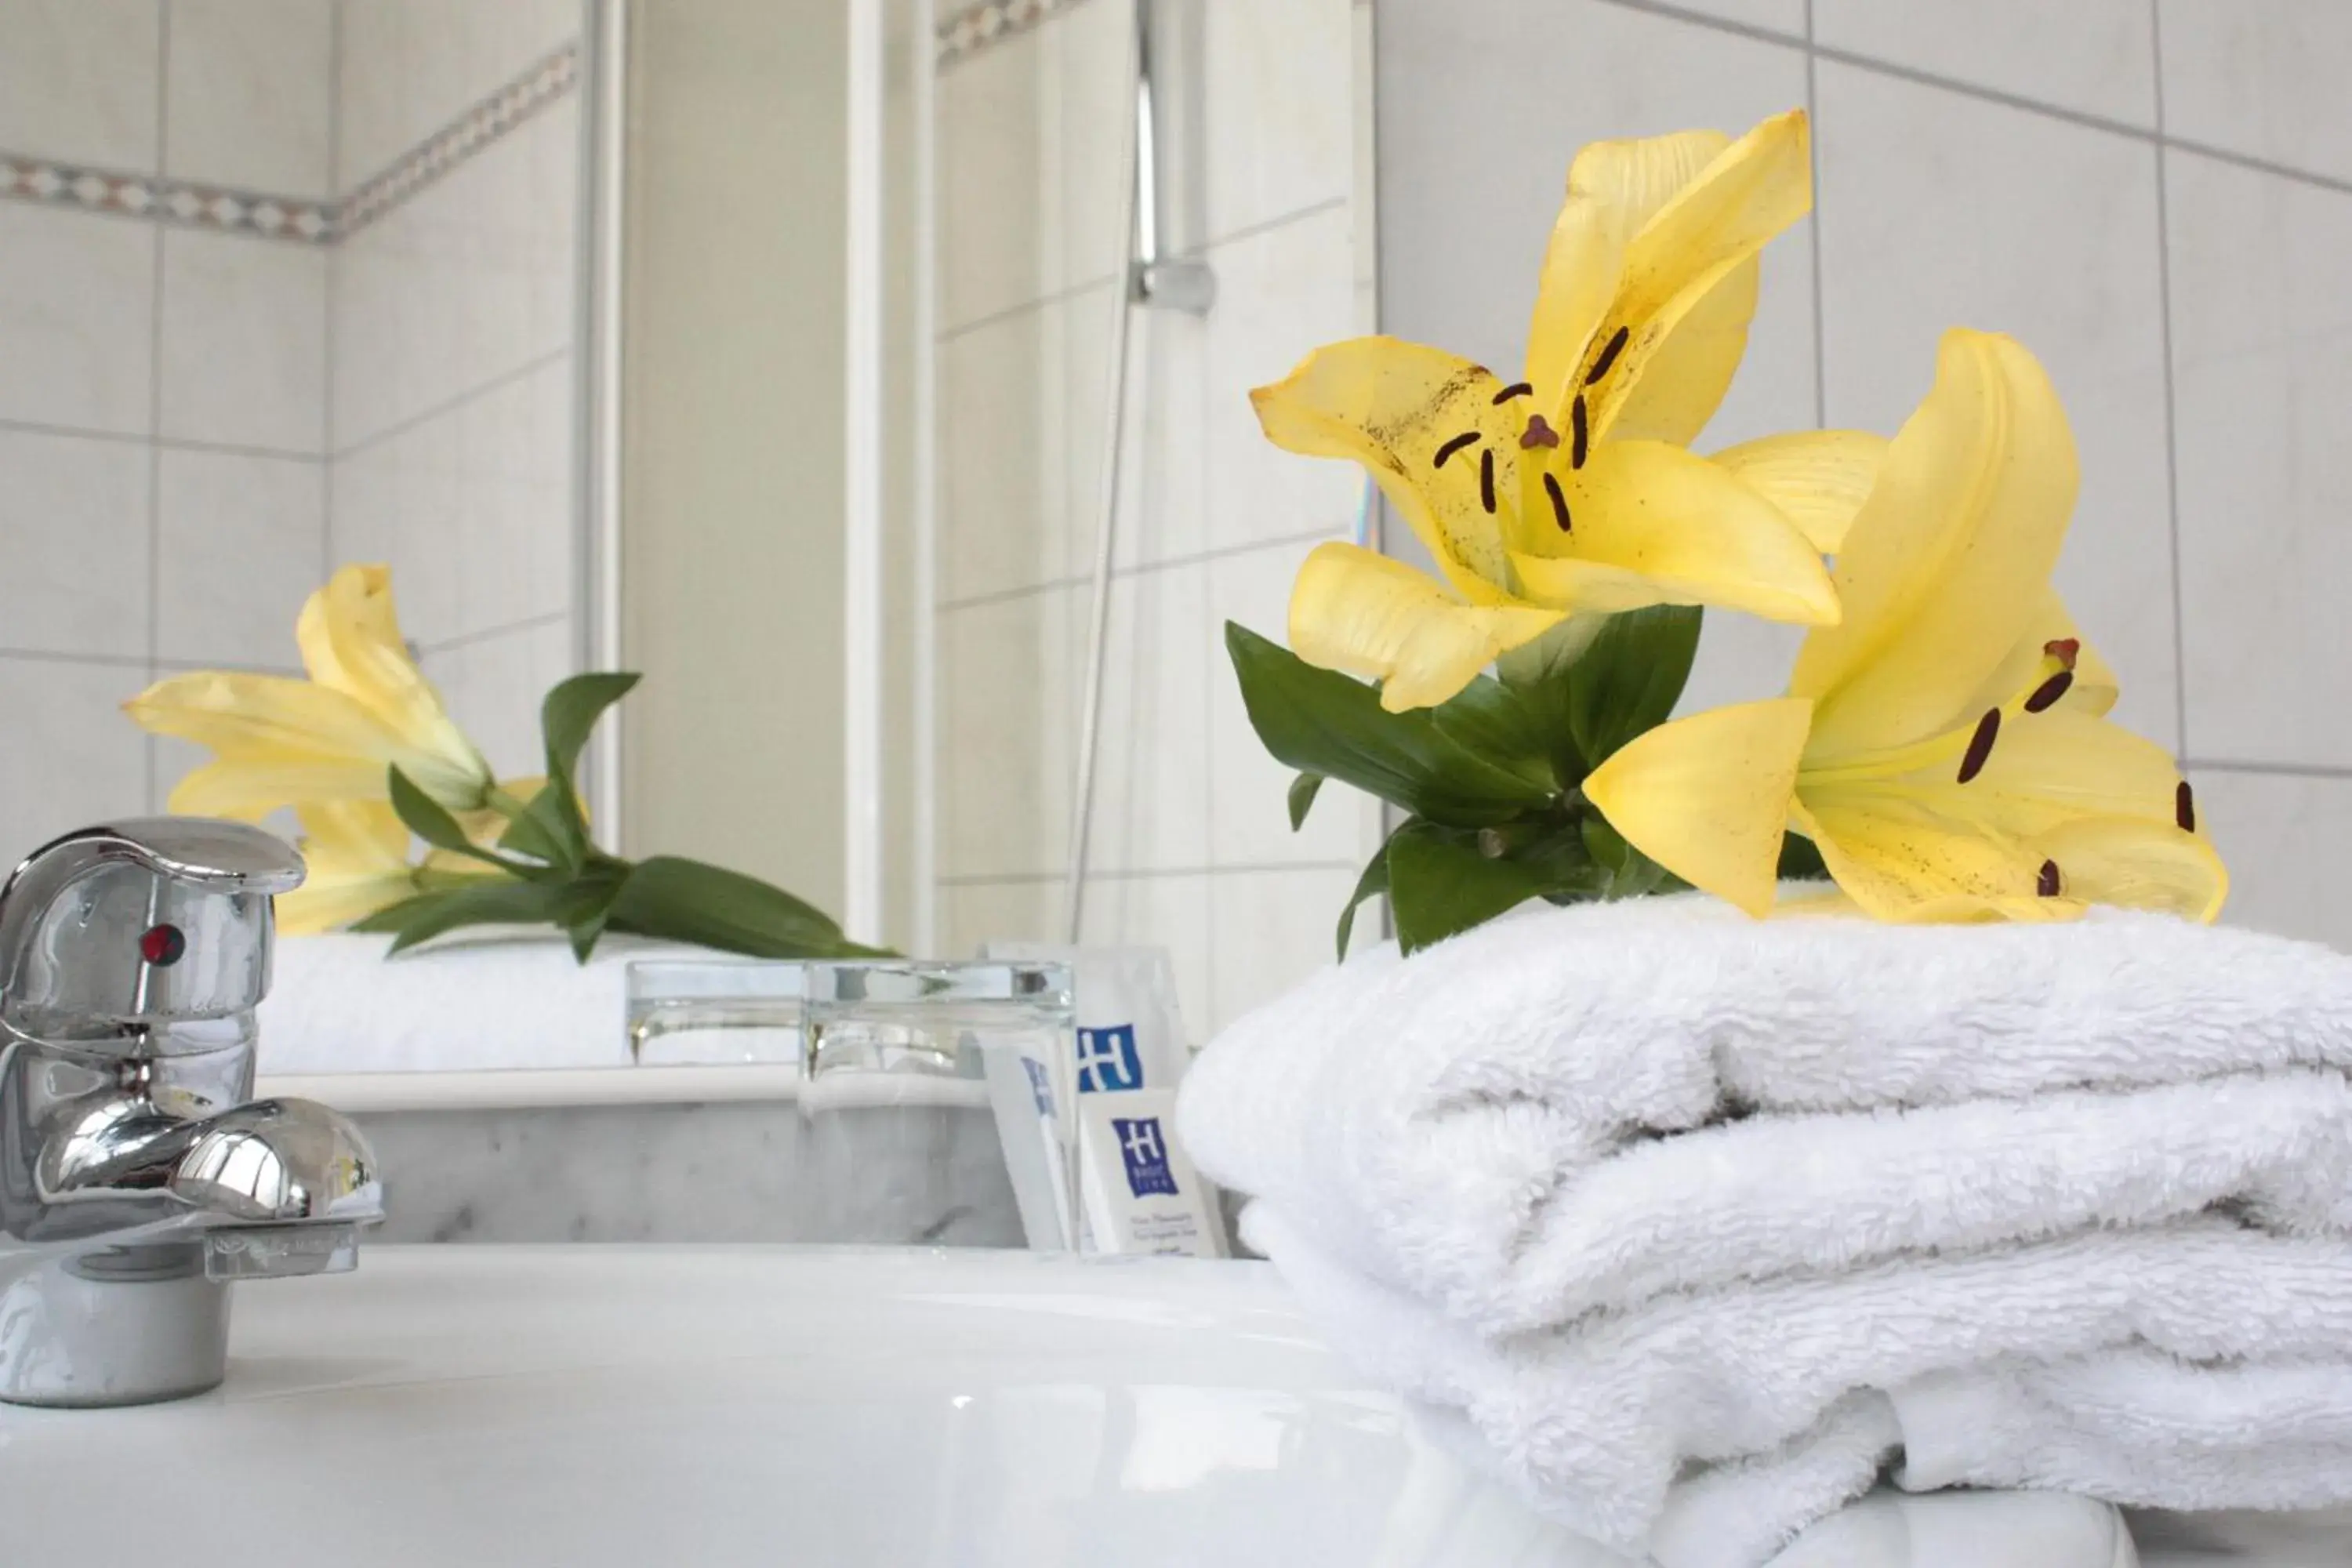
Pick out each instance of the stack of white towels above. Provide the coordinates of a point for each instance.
(1694, 1225)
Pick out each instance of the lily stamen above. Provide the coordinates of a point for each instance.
(1558, 504)
(2048, 882)
(2184, 807)
(1579, 432)
(1538, 433)
(1609, 355)
(1517, 389)
(1980, 750)
(1467, 438)
(1487, 481)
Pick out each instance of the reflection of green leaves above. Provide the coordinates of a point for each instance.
(430, 820)
(689, 900)
(1303, 791)
(565, 719)
(489, 901)
(1327, 723)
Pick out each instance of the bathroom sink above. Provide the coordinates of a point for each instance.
(583, 1406)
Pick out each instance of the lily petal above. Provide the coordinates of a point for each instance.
(1614, 189)
(1692, 368)
(350, 636)
(1651, 524)
(1708, 796)
(2140, 866)
(1748, 193)
(263, 715)
(1819, 478)
(1354, 610)
(1905, 863)
(2049, 768)
(355, 855)
(2094, 686)
(1395, 407)
(1948, 559)
(248, 790)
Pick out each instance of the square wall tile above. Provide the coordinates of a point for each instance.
(1467, 199)
(1277, 110)
(76, 319)
(2287, 840)
(974, 913)
(493, 688)
(514, 522)
(1163, 478)
(1940, 210)
(249, 86)
(2261, 344)
(72, 758)
(1150, 808)
(396, 502)
(1270, 929)
(1249, 812)
(1020, 410)
(997, 137)
(240, 544)
(1280, 294)
(74, 517)
(1009, 674)
(244, 342)
(79, 80)
(2095, 56)
(1156, 912)
(2264, 78)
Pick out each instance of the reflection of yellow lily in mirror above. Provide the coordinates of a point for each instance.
(356, 857)
(1944, 746)
(280, 741)
(1572, 489)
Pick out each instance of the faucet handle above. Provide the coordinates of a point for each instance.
(112, 929)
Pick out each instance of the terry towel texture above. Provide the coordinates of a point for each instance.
(1630, 1185)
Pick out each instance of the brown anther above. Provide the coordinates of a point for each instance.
(2184, 807)
(2046, 695)
(2047, 884)
(1980, 744)
(1538, 433)
(1517, 389)
(1487, 481)
(2064, 650)
(1577, 433)
(1467, 438)
(1559, 503)
(1608, 355)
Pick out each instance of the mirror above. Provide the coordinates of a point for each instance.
(785, 352)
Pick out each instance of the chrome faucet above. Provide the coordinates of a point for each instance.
(138, 1177)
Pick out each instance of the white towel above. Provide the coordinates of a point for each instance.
(2198, 1365)
(476, 1002)
(1483, 1125)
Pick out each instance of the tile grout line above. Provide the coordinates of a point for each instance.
(150, 749)
(1143, 568)
(2269, 770)
(2083, 117)
(2171, 407)
(1814, 154)
(1070, 291)
(158, 667)
(170, 443)
(408, 423)
(488, 634)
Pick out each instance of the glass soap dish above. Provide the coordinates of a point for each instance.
(721, 1011)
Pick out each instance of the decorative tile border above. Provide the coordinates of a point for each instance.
(303, 219)
(976, 27)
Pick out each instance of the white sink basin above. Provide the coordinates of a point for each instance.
(593, 1406)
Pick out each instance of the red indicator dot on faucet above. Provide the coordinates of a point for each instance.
(162, 946)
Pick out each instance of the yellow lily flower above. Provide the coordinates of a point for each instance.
(1572, 489)
(1944, 745)
(279, 741)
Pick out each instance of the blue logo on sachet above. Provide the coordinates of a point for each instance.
(1145, 1151)
(1038, 1086)
(1107, 1059)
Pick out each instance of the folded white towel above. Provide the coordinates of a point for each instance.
(484, 1001)
(2198, 1362)
(1481, 1124)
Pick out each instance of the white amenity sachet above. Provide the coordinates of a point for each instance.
(1572, 1129)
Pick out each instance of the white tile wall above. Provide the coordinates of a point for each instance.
(76, 319)
(2174, 257)
(79, 80)
(244, 342)
(2097, 57)
(239, 538)
(410, 66)
(70, 759)
(1210, 518)
(74, 516)
(250, 90)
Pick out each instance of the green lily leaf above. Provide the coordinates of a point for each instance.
(1441, 885)
(1630, 874)
(693, 901)
(1303, 791)
(1800, 860)
(539, 834)
(565, 719)
(1370, 885)
(487, 903)
(430, 820)
(1630, 679)
(1323, 723)
(1503, 725)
